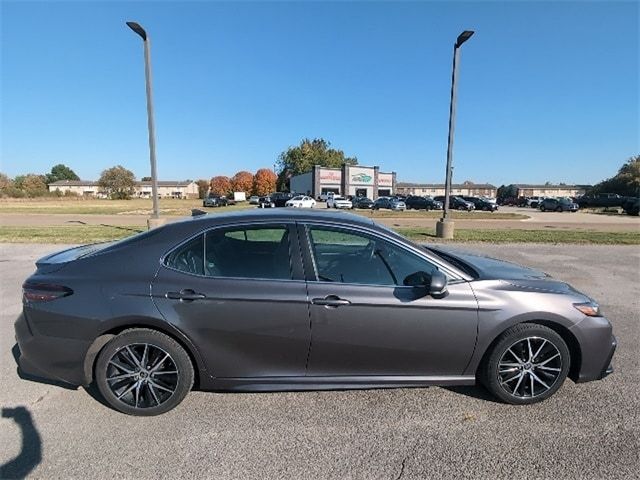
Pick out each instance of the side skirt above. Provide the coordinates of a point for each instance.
(291, 384)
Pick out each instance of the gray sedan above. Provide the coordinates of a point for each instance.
(293, 300)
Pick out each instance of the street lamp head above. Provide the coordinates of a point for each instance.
(463, 37)
(138, 29)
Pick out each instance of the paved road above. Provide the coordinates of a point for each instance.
(537, 220)
(585, 431)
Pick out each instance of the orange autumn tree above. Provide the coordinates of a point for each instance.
(220, 185)
(242, 182)
(264, 182)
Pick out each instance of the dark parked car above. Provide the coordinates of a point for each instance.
(229, 302)
(389, 203)
(362, 202)
(482, 204)
(215, 201)
(601, 200)
(280, 199)
(558, 205)
(457, 203)
(265, 202)
(632, 206)
(422, 203)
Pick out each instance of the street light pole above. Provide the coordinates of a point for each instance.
(445, 227)
(150, 119)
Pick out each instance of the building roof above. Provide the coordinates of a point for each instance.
(529, 185)
(91, 183)
(441, 185)
(74, 183)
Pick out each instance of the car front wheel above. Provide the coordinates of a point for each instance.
(527, 364)
(143, 372)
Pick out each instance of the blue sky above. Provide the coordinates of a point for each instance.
(547, 91)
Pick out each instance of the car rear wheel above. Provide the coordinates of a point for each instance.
(143, 372)
(559, 209)
(527, 364)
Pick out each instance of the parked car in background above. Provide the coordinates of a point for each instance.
(301, 201)
(336, 201)
(259, 301)
(215, 201)
(632, 206)
(324, 196)
(457, 203)
(534, 202)
(254, 200)
(389, 204)
(362, 202)
(266, 202)
(415, 202)
(558, 205)
(280, 199)
(481, 204)
(601, 200)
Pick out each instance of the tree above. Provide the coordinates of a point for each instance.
(264, 182)
(301, 159)
(31, 185)
(242, 182)
(118, 182)
(5, 182)
(506, 191)
(60, 172)
(203, 187)
(625, 182)
(145, 179)
(220, 185)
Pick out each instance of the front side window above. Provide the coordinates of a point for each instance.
(240, 252)
(345, 256)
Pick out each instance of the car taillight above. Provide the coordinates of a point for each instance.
(44, 292)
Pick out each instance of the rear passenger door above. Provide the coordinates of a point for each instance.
(239, 294)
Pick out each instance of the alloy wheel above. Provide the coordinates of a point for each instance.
(529, 367)
(142, 375)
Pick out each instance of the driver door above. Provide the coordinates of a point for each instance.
(364, 321)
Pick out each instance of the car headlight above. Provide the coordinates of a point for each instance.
(590, 309)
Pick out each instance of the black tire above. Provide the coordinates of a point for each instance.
(489, 374)
(542, 209)
(135, 339)
(559, 209)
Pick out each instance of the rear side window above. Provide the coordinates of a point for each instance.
(247, 252)
(256, 252)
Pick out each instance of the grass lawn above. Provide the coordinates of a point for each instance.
(527, 236)
(81, 206)
(80, 234)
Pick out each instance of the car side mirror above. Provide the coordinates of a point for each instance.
(434, 284)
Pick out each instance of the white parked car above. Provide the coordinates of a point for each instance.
(254, 200)
(336, 201)
(301, 201)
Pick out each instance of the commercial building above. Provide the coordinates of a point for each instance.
(166, 189)
(349, 180)
(466, 189)
(525, 190)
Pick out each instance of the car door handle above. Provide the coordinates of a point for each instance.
(330, 301)
(186, 295)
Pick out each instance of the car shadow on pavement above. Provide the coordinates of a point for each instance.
(31, 450)
(473, 391)
(15, 351)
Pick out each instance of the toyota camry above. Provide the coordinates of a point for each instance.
(272, 300)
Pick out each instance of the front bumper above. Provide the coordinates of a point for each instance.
(52, 358)
(597, 347)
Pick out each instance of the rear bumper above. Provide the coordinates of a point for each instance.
(52, 358)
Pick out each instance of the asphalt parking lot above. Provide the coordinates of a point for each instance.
(584, 431)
